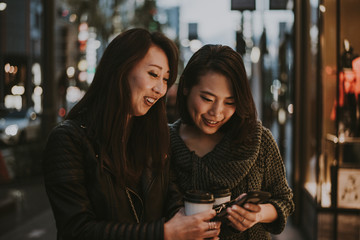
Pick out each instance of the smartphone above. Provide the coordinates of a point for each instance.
(254, 197)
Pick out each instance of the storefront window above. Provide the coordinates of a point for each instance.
(332, 127)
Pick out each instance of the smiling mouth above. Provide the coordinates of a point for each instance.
(211, 122)
(150, 101)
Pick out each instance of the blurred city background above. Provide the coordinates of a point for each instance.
(301, 57)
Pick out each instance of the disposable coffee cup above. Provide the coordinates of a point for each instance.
(197, 201)
(221, 196)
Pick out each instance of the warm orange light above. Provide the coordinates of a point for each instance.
(356, 68)
(329, 70)
(62, 112)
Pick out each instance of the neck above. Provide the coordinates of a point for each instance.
(197, 141)
(193, 132)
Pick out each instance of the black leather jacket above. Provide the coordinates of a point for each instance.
(86, 201)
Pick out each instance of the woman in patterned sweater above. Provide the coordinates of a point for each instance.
(219, 143)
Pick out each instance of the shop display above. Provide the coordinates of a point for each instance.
(348, 94)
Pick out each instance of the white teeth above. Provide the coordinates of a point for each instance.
(150, 100)
(211, 122)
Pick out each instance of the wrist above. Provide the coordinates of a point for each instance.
(267, 213)
(260, 215)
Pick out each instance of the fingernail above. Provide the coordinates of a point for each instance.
(246, 205)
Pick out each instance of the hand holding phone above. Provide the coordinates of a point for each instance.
(254, 197)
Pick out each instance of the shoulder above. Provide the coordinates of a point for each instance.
(266, 133)
(267, 136)
(261, 133)
(269, 146)
(63, 155)
(67, 128)
(66, 135)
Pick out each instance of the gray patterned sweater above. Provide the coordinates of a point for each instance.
(242, 169)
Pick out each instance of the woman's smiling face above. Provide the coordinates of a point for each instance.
(148, 80)
(211, 102)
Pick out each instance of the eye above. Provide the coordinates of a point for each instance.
(206, 99)
(166, 79)
(230, 103)
(153, 74)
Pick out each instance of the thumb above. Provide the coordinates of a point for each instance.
(207, 215)
(241, 195)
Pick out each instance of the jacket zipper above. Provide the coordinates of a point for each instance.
(141, 201)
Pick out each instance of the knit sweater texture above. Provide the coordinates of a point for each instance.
(240, 169)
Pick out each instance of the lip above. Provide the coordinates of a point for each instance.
(211, 123)
(150, 100)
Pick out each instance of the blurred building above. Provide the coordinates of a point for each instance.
(20, 54)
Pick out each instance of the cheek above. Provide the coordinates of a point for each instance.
(196, 107)
(135, 86)
(230, 112)
(164, 91)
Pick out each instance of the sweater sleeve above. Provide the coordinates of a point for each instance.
(275, 182)
(64, 177)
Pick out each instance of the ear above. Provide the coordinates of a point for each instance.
(186, 91)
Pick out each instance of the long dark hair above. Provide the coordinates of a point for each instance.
(223, 60)
(145, 142)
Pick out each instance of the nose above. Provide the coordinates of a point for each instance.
(160, 87)
(216, 109)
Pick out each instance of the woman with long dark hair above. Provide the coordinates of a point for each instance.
(218, 143)
(106, 166)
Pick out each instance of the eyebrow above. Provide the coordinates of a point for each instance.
(211, 94)
(157, 66)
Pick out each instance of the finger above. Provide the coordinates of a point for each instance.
(252, 207)
(246, 220)
(211, 234)
(235, 223)
(213, 225)
(218, 225)
(232, 212)
(236, 216)
(240, 213)
(206, 215)
(238, 210)
(251, 215)
(241, 195)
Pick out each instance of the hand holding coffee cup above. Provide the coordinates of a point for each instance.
(197, 201)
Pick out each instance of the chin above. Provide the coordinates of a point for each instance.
(208, 130)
